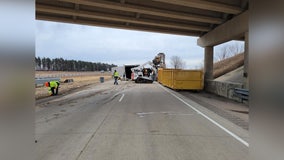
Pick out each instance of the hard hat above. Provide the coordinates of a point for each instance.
(46, 84)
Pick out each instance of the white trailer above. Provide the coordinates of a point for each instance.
(124, 70)
(120, 70)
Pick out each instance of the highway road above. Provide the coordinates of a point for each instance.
(133, 122)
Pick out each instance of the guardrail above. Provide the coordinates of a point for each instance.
(72, 74)
(243, 94)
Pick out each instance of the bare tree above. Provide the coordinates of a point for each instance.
(229, 51)
(200, 65)
(177, 62)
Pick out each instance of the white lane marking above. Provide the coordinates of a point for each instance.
(121, 98)
(211, 120)
(141, 115)
(165, 113)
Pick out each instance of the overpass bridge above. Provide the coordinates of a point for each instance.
(214, 22)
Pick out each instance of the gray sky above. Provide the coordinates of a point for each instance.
(98, 44)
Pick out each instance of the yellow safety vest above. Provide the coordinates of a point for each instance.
(53, 84)
(116, 74)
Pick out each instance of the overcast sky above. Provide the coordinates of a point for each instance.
(114, 46)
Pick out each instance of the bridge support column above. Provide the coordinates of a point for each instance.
(208, 63)
(246, 62)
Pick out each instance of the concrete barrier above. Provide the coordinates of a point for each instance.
(224, 89)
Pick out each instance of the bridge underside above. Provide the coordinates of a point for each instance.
(183, 17)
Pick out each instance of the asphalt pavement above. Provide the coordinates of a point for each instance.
(135, 122)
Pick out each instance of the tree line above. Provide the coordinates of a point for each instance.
(60, 64)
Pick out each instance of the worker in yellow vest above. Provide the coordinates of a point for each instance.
(115, 76)
(53, 87)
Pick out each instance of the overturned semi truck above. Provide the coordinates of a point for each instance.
(147, 72)
(143, 73)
